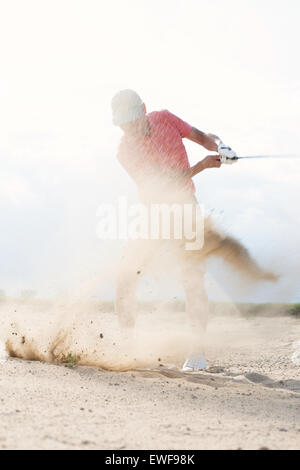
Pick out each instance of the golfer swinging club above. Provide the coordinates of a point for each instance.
(153, 154)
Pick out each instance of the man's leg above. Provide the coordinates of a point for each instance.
(197, 309)
(125, 303)
(133, 264)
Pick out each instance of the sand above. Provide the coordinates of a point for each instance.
(248, 399)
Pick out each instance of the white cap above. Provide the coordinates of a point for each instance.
(126, 106)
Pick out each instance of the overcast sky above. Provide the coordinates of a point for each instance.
(231, 68)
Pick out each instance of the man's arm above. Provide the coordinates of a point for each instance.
(208, 141)
(211, 161)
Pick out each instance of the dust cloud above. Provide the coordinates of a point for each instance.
(78, 328)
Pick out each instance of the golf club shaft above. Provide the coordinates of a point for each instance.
(269, 156)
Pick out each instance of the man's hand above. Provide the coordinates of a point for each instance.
(226, 153)
(211, 161)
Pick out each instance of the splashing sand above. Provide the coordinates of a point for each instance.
(48, 333)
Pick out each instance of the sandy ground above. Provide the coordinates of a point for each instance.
(249, 398)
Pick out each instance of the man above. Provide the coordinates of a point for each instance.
(153, 154)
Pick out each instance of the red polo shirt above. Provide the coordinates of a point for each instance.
(147, 158)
